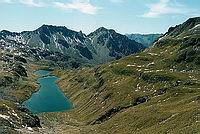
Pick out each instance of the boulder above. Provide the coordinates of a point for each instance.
(142, 99)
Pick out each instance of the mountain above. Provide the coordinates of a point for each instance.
(187, 37)
(190, 27)
(111, 44)
(155, 91)
(100, 46)
(48, 47)
(145, 39)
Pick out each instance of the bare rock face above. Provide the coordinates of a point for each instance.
(20, 59)
(20, 70)
(17, 118)
(140, 100)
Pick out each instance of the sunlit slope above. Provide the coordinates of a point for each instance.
(156, 91)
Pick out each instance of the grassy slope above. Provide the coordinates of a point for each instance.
(117, 85)
(156, 91)
(145, 93)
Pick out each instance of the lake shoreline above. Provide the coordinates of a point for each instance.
(48, 93)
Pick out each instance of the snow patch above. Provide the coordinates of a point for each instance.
(153, 54)
(4, 116)
(196, 26)
(131, 65)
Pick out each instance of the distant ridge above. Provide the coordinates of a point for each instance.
(145, 39)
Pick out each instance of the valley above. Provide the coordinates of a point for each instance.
(118, 87)
(149, 92)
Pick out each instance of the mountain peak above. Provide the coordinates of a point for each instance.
(193, 20)
(7, 33)
(101, 29)
(51, 27)
(50, 30)
(185, 33)
(183, 28)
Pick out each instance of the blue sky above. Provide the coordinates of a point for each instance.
(125, 16)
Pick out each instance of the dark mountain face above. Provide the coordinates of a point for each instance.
(191, 26)
(117, 45)
(145, 39)
(98, 47)
(47, 31)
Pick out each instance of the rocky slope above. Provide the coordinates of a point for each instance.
(16, 85)
(156, 91)
(76, 48)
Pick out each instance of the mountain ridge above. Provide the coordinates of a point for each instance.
(154, 91)
(145, 39)
(77, 45)
(149, 92)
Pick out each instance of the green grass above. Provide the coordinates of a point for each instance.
(105, 97)
(118, 84)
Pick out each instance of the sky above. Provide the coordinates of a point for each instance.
(124, 16)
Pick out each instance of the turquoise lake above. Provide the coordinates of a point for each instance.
(49, 97)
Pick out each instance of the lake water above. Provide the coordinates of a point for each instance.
(49, 97)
